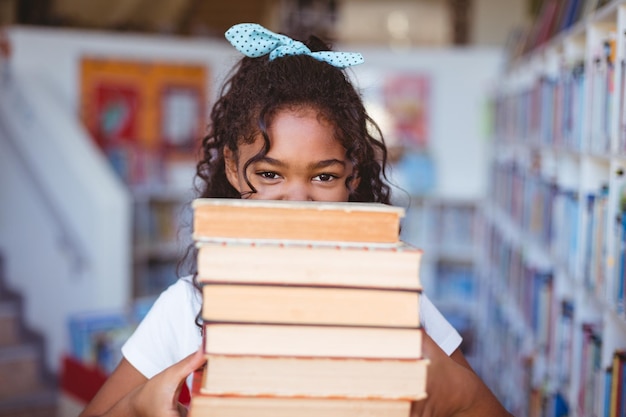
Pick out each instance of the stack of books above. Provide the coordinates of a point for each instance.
(309, 309)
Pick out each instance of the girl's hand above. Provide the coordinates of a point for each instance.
(454, 389)
(127, 392)
(158, 397)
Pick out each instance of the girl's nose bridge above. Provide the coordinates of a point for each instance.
(297, 190)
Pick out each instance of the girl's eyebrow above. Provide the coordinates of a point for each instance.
(316, 165)
(327, 163)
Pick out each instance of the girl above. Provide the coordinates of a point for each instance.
(288, 125)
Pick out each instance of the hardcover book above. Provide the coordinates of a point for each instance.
(308, 309)
(205, 405)
(314, 221)
(338, 306)
(319, 341)
(395, 266)
(305, 377)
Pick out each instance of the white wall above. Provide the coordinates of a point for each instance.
(55, 53)
(39, 108)
(458, 136)
(46, 63)
(64, 234)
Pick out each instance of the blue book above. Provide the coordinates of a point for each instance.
(608, 379)
(622, 264)
(579, 91)
(560, 407)
(589, 245)
(571, 14)
(96, 337)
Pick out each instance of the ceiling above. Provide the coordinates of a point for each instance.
(408, 22)
(213, 17)
(165, 16)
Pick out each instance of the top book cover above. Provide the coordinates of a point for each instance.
(330, 222)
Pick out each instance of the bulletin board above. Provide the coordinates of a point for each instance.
(143, 114)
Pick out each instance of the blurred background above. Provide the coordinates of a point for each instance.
(432, 23)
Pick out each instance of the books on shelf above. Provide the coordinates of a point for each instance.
(219, 219)
(602, 89)
(560, 117)
(96, 337)
(554, 18)
(564, 343)
(615, 389)
(590, 368)
(308, 308)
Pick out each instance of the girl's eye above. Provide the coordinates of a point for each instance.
(324, 177)
(268, 175)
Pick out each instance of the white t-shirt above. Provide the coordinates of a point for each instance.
(169, 332)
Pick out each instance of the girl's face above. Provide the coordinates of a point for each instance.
(304, 163)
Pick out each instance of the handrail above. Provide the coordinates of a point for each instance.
(68, 237)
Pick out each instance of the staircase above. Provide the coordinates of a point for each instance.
(26, 388)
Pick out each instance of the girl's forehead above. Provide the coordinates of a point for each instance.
(299, 133)
(301, 109)
(306, 115)
(293, 122)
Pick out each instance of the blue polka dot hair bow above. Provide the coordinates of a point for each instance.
(254, 40)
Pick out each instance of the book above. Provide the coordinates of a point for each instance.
(589, 8)
(571, 15)
(590, 349)
(545, 22)
(373, 266)
(559, 17)
(211, 406)
(310, 305)
(619, 241)
(308, 308)
(617, 405)
(205, 405)
(285, 221)
(318, 341)
(96, 337)
(315, 377)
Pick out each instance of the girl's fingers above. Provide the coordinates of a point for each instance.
(186, 366)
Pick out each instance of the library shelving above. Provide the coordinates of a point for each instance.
(446, 230)
(552, 269)
(161, 235)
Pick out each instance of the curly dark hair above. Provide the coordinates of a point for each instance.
(258, 89)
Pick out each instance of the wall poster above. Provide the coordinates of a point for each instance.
(406, 99)
(146, 116)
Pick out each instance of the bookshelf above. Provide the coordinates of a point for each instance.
(447, 230)
(161, 235)
(551, 269)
